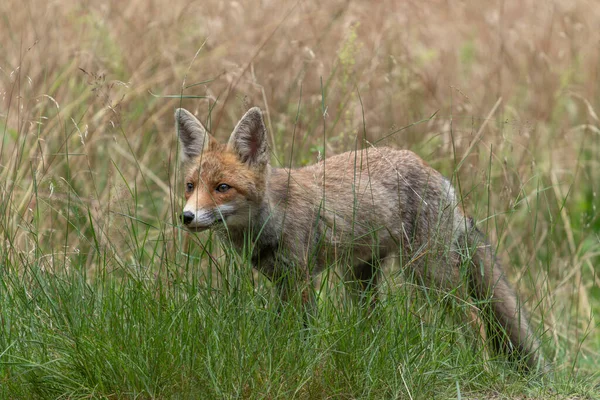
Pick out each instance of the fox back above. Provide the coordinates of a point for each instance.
(356, 208)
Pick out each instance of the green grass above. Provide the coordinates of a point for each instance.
(131, 333)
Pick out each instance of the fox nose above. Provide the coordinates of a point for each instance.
(187, 217)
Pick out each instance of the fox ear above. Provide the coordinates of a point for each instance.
(193, 136)
(249, 139)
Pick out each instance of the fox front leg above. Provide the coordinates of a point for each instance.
(295, 285)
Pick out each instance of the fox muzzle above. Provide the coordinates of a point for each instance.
(187, 217)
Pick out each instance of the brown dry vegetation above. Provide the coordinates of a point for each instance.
(514, 85)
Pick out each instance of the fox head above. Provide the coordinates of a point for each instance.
(224, 183)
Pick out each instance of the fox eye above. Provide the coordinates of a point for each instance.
(223, 187)
(189, 186)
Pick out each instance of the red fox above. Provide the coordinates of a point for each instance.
(359, 207)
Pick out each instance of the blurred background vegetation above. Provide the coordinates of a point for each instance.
(502, 96)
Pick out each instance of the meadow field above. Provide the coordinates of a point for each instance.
(104, 295)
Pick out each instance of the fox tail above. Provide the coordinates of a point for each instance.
(506, 325)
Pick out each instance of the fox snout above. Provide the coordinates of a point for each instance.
(187, 217)
(200, 220)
